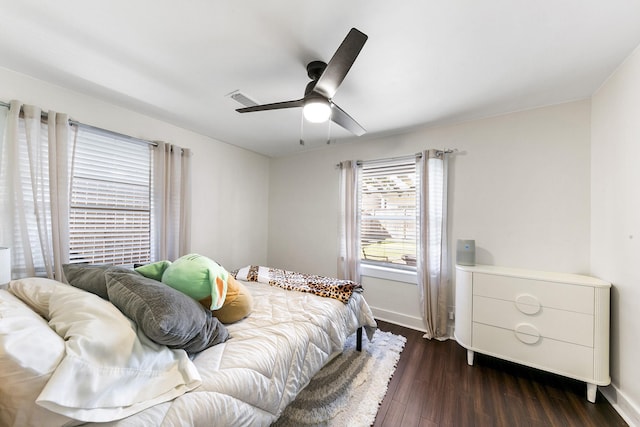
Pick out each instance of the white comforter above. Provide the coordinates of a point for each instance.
(270, 357)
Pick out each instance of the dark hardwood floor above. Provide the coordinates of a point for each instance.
(434, 386)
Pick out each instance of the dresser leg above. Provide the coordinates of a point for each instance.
(470, 357)
(591, 392)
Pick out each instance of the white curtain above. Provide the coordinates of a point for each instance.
(349, 250)
(432, 265)
(35, 191)
(172, 199)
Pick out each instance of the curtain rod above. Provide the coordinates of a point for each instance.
(390, 159)
(403, 158)
(72, 122)
(112, 133)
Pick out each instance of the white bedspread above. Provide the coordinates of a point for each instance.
(271, 356)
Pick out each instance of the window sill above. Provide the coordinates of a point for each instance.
(394, 274)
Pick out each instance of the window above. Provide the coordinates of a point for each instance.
(96, 205)
(110, 204)
(388, 213)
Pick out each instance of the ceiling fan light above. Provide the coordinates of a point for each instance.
(317, 110)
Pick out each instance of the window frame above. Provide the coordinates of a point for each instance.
(128, 207)
(381, 269)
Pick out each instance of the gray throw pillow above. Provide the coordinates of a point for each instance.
(165, 315)
(89, 277)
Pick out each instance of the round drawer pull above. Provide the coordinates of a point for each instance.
(527, 333)
(528, 304)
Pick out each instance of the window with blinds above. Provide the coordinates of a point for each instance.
(110, 205)
(388, 212)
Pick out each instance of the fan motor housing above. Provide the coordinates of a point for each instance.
(315, 69)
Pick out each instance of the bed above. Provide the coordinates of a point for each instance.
(70, 357)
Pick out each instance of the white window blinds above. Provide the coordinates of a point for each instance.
(388, 209)
(110, 212)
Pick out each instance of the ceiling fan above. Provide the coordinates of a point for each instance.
(317, 102)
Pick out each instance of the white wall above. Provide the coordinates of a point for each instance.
(519, 187)
(615, 225)
(230, 185)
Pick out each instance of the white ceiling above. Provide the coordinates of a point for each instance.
(426, 61)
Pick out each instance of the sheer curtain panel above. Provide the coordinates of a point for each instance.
(172, 200)
(349, 234)
(35, 190)
(432, 260)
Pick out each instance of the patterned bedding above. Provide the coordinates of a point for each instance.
(271, 355)
(318, 285)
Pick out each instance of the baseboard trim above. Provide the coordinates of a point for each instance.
(410, 322)
(623, 406)
(400, 319)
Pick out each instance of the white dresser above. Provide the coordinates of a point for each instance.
(551, 321)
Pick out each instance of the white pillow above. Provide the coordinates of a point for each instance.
(110, 371)
(35, 292)
(29, 353)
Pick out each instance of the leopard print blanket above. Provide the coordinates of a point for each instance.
(290, 280)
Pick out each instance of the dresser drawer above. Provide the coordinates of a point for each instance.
(560, 296)
(568, 326)
(555, 356)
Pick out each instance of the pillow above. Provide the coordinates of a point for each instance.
(199, 277)
(88, 277)
(30, 351)
(164, 314)
(153, 271)
(238, 303)
(35, 292)
(110, 369)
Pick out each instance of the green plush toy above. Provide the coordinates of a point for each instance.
(155, 270)
(199, 277)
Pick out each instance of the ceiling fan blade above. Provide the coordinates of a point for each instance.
(339, 116)
(340, 63)
(273, 106)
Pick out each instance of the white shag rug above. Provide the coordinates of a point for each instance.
(349, 389)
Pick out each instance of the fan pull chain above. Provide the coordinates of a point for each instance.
(329, 127)
(301, 128)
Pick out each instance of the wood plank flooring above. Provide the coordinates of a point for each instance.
(433, 386)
